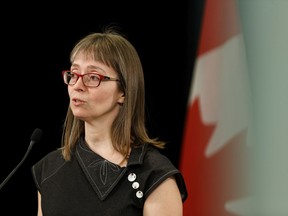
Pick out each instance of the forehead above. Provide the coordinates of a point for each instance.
(83, 56)
(82, 61)
(99, 54)
(87, 64)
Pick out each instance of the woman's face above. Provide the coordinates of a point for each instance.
(94, 104)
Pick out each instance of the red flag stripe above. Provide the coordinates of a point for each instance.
(216, 26)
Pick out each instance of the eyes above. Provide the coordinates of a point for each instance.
(89, 76)
(89, 79)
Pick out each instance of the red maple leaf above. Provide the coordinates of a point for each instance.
(212, 181)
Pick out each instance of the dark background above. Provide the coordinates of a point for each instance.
(36, 42)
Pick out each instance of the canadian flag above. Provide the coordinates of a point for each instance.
(214, 154)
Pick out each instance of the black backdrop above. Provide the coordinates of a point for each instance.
(36, 41)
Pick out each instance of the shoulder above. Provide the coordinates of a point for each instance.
(48, 165)
(156, 168)
(154, 157)
(51, 159)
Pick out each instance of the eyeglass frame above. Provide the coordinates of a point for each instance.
(101, 76)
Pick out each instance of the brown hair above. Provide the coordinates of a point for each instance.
(128, 129)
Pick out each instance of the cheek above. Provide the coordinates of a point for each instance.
(99, 98)
(69, 91)
(107, 99)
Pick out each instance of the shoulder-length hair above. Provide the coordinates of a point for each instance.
(128, 129)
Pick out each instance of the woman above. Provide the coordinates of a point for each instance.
(107, 165)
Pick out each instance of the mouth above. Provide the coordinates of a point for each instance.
(77, 101)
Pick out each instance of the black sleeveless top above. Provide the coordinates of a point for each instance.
(89, 185)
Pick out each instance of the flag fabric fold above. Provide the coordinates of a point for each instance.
(214, 151)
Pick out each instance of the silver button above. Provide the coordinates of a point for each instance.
(132, 177)
(139, 194)
(135, 185)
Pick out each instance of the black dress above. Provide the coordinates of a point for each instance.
(89, 185)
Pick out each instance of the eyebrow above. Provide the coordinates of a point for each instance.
(95, 67)
(90, 67)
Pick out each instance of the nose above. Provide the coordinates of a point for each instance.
(79, 84)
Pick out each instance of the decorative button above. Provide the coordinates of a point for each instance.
(132, 177)
(135, 185)
(139, 194)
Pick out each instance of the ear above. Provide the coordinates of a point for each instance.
(121, 99)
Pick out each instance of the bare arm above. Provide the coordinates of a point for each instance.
(165, 200)
(39, 213)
